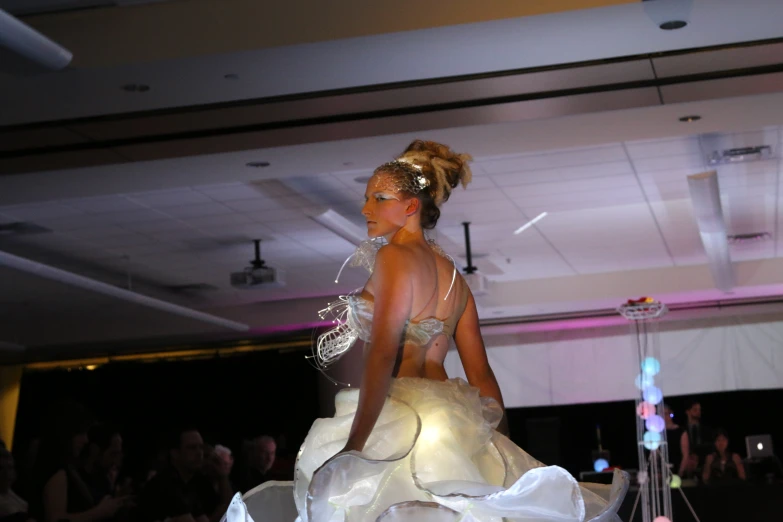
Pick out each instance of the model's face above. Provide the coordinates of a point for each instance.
(385, 209)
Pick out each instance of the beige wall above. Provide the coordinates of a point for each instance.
(182, 28)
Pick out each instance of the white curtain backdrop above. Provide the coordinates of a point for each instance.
(599, 364)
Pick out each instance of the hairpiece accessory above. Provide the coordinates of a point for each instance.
(410, 178)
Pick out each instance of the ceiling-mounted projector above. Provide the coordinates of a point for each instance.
(740, 155)
(258, 274)
(23, 50)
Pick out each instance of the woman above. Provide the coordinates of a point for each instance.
(102, 460)
(411, 444)
(62, 494)
(722, 466)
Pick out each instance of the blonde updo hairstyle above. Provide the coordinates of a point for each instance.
(443, 169)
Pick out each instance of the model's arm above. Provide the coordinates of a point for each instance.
(392, 307)
(473, 355)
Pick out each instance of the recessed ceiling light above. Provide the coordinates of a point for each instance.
(231, 76)
(690, 118)
(257, 164)
(347, 163)
(136, 87)
(673, 25)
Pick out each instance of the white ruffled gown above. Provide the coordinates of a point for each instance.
(433, 456)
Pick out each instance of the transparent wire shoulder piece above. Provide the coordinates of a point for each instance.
(366, 252)
(331, 345)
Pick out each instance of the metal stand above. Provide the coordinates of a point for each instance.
(655, 477)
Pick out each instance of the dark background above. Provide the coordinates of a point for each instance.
(277, 393)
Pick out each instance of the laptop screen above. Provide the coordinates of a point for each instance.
(759, 446)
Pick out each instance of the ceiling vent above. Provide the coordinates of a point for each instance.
(740, 155)
(739, 239)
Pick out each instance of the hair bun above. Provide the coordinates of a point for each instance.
(445, 168)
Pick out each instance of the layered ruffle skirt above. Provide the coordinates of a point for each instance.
(434, 456)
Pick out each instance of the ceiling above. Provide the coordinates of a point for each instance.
(620, 221)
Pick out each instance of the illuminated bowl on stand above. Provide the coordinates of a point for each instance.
(600, 464)
(652, 440)
(655, 423)
(652, 394)
(645, 410)
(643, 381)
(661, 519)
(651, 366)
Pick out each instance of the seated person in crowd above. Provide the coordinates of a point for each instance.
(12, 507)
(102, 460)
(60, 490)
(258, 463)
(722, 466)
(183, 492)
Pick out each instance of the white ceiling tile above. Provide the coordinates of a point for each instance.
(476, 196)
(586, 199)
(127, 239)
(178, 235)
(221, 221)
(75, 222)
(752, 250)
(193, 211)
(660, 148)
(159, 223)
(339, 182)
(147, 249)
(131, 217)
(102, 204)
(749, 214)
(622, 224)
(300, 229)
(603, 260)
(554, 159)
(604, 185)
(664, 191)
(480, 212)
(271, 216)
(253, 205)
(334, 248)
(98, 232)
(40, 211)
(229, 191)
(169, 198)
(531, 264)
(564, 174)
(693, 163)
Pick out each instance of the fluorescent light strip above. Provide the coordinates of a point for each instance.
(341, 226)
(530, 223)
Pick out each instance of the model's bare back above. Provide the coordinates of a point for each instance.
(431, 277)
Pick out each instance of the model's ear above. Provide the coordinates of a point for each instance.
(413, 206)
